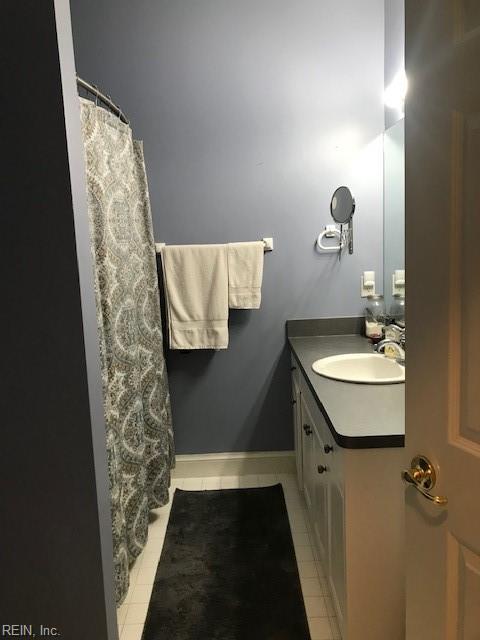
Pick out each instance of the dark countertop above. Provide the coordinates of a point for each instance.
(360, 416)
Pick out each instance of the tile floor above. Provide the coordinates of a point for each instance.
(318, 602)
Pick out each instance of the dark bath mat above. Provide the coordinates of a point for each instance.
(227, 570)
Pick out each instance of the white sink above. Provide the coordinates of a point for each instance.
(367, 368)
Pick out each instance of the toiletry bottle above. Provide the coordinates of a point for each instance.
(375, 318)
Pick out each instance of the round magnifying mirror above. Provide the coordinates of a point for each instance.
(342, 205)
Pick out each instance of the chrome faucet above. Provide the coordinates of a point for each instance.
(380, 348)
(398, 342)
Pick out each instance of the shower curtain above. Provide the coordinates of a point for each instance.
(137, 402)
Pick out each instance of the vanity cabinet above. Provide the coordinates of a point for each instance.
(297, 423)
(315, 479)
(354, 500)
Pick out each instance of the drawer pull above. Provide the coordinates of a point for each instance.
(321, 468)
(307, 429)
(292, 402)
(327, 448)
(293, 368)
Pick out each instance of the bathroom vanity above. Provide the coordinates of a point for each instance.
(349, 442)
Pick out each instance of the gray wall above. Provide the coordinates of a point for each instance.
(252, 112)
(394, 49)
(56, 566)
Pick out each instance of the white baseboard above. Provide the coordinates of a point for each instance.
(234, 464)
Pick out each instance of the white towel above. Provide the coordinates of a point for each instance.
(196, 290)
(245, 273)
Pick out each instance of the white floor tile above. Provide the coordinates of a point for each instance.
(122, 613)
(329, 605)
(146, 575)
(155, 542)
(132, 632)
(129, 592)
(150, 558)
(230, 482)
(141, 593)
(296, 504)
(158, 521)
(307, 569)
(291, 490)
(298, 524)
(136, 614)
(324, 585)
(296, 509)
(134, 573)
(335, 629)
(320, 569)
(301, 539)
(296, 512)
(192, 484)
(287, 479)
(211, 483)
(314, 606)
(310, 587)
(304, 554)
(246, 482)
(293, 504)
(320, 629)
(267, 479)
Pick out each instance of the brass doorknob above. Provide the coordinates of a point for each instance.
(422, 477)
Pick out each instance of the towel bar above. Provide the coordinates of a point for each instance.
(267, 245)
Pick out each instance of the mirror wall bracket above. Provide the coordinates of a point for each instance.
(331, 231)
(342, 208)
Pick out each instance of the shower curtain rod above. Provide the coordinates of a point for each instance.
(104, 98)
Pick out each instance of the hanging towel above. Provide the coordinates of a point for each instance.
(245, 273)
(196, 291)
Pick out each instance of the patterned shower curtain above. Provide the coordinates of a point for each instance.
(137, 402)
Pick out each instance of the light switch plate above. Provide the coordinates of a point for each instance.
(398, 282)
(367, 284)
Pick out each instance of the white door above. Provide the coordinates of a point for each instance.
(443, 316)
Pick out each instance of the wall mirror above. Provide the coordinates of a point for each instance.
(394, 219)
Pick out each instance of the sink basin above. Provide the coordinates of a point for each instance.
(366, 368)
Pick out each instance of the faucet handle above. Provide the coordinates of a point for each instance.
(394, 332)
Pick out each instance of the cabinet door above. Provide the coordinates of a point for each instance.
(297, 431)
(321, 486)
(308, 456)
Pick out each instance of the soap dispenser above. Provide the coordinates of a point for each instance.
(375, 317)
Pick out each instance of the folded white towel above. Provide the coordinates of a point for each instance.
(196, 290)
(245, 273)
